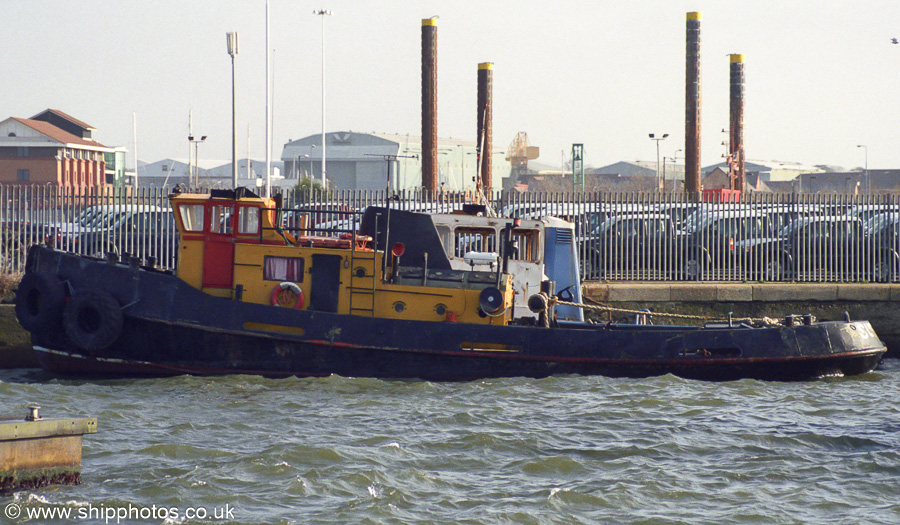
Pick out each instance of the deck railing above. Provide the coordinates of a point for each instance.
(619, 236)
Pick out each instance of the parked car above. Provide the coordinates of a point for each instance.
(884, 238)
(632, 245)
(828, 247)
(866, 211)
(677, 211)
(711, 240)
(139, 231)
(337, 227)
(20, 231)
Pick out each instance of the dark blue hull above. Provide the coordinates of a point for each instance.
(170, 328)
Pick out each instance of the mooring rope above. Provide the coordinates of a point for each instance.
(605, 308)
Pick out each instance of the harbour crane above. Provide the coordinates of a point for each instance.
(519, 153)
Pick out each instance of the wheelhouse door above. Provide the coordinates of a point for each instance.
(218, 249)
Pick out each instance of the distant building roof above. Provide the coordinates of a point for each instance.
(57, 134)
(257, 168)
(627, 169)
(716, 179)
(768, 166)
(363, 144)
(780, 186)
(66, 116)
(830, 168)
(880, 181)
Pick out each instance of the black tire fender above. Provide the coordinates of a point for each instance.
(39, 303)
(93, 319)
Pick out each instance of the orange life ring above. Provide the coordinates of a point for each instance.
(286, 293)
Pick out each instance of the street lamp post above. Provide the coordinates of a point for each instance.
(659, 183)
(868, 187)
(674, 168)
(232, 40)
(673, 159)
(194, 171)
(323, 13)
(190, 158)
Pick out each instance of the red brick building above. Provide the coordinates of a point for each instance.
(50, 148)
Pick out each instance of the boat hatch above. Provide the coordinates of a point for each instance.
(326, 282)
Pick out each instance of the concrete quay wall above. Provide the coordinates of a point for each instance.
(877, 303)
(15, 342)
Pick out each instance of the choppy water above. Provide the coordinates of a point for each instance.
(558, 450)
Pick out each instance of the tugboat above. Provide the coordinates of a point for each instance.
(442, 297)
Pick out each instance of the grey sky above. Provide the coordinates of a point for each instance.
(822, 77)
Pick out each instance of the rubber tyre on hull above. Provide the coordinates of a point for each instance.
(39, 303)
(93, 319)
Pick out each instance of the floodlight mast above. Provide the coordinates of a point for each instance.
(323, 13)
(232, 41)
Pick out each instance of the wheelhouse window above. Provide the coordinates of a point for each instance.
(446, 235)
(192, 217)
(220, 219)
(527, 246)
(467, 240)
(248, 219)
(283, 269)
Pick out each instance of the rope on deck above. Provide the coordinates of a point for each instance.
(605, 308)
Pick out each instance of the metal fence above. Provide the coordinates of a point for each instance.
(620, 236)
(764, 237)
(88, 221)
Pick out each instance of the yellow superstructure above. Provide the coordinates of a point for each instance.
(235, 248)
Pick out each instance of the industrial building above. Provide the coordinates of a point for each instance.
(208, 173)
(361, 161)
(770, 171)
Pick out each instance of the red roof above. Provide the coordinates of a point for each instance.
(57, 134)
